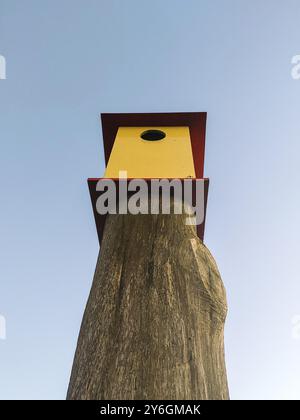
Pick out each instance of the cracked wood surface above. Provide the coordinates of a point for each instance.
(154, 321)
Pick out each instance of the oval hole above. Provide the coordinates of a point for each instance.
(153, 135)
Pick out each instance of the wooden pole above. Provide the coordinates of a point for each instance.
(154, 321)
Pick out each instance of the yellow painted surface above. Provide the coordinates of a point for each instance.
(170, 157)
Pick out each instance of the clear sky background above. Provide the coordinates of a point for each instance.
(68, 61)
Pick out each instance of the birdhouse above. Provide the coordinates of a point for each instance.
(151, 146)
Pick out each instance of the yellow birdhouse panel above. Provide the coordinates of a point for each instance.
(152, 152)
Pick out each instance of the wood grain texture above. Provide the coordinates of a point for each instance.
(154, 321)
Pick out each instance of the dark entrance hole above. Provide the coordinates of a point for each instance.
(153, 135)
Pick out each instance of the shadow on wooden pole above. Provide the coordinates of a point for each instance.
(154, 321)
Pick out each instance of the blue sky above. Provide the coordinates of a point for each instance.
(68, 61)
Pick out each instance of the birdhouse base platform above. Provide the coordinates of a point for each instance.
(101, 218)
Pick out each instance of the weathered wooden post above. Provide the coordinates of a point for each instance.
(154, 322)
